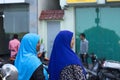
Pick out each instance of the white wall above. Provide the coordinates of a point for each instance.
(35, 8)
(11, 1)
(33, 15)
(42, 5)
(45, 5)
(68, 23)
(42, 31)
(69, 20)
(48, 5)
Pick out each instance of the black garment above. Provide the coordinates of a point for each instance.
(93, 59)
(84, 58)
(42, 57)
(38, 74)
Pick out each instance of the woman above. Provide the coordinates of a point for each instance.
(28, 65)
(64, 63)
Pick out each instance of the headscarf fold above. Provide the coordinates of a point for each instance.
(26, 61)
(62, 55)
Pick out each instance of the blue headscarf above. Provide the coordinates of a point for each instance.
(62, 55)
(26, 61)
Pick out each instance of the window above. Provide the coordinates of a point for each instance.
(13, 19)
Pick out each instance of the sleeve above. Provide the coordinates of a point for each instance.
(86, 45)
(80, 48)
(38, 74)
(72, 72)
(18, 45)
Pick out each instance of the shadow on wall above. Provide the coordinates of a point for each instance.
(103, 42)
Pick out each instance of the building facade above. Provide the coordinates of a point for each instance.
(45, 26)
(99, 20)
(20, 17)
(52, 22)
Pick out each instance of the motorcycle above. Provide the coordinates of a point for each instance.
(110, 70)
(104, 70)
(92, 73)
(8, 72)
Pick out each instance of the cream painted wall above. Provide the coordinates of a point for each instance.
(42, 24)
(46, 5)
(11, 1)
(68, 23)
(69, 20)
(42, 31)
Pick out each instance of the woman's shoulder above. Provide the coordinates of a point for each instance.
(72, 67)
(38, 74)
(72, 72)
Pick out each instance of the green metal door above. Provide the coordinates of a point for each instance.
(102, 29)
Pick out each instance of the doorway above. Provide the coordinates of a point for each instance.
(2, 34)
(53, 27)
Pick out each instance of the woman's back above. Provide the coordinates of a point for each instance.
(27, 62)
(72, 72)
(63, 59)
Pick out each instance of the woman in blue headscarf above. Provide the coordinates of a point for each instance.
(28, 65)
(64, 63)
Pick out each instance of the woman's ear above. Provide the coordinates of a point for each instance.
(72, 42)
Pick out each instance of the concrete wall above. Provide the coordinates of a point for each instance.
(68, 23)
(69, 20)
(46, 5)
(42, 31)
(35, 8)
(11, 1)
(33, 15)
